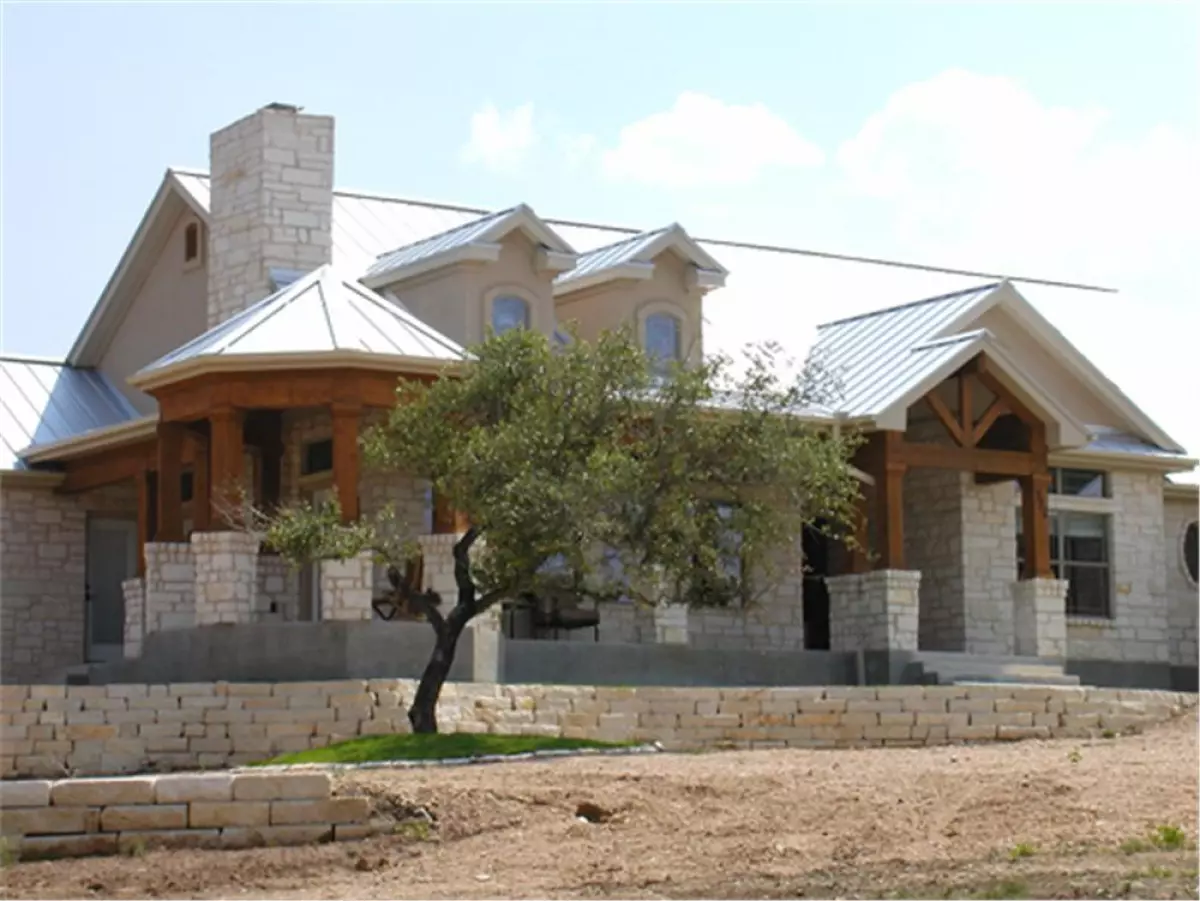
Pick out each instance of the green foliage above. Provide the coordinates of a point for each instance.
(582, 471)
(1022, 849)
(1007, 888)
(1167, 837)
(433, 746)
(1074, 755)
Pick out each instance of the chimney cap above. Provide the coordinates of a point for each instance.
(283, 107)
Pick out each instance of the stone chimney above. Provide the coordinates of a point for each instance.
(272, 204)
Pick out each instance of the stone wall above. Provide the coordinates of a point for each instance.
(43, 570)
(1138, 627)
(135, 616)
(874, 611)
(226, 577)
(77, 817)
(1183, 605)
(989, 542)
(278, 593)
(272, 204)
(52, 729)
(933, 546)
(170, 586)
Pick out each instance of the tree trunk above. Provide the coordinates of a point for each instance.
(423, 712)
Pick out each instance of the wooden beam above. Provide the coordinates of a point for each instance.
(226, 465)
(170, 480)
(982, 369)
(966, 408)
(971, 459)
(108, 467)
(889, 496)
(201, 485)
(145, 503)
(995, 410)
(345, 459)
(1035, 520)
(943, 413)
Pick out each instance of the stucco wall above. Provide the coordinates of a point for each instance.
(167, 311)
(43, 568)
(1181, 590)
(613, 304)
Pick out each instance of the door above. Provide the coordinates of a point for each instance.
(310, 576)
(111, 559)
(816, 593)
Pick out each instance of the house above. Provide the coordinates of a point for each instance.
(1016, 502)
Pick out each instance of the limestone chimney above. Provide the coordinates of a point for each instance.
(272, 204)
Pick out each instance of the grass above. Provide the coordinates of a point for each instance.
(440, 746)
(1164, 837)
(1009, 888)
(1021, 850)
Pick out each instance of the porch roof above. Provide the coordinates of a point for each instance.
(321, 315)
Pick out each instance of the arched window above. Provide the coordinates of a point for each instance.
(1191, 551)
(508, 313)
(191, 242)
(662, 338)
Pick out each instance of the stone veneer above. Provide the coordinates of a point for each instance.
(49, 729)
(134, 591)
(271, 205)
(346, 588)
(77, 817)
(170, 586)
(773, 621)
(1039, 618)
(226, 577)
(278, 592)
(1183, 604)
(43, 570)
(874, 611)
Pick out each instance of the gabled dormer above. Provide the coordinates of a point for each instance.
(655, 281)
(496, 272)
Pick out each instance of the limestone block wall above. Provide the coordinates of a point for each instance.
(989, 540)
(874, 611)
(1183, 601)
(772, 621)
(1039, 618)
(134, 591)
(77, 817)
(271, 206)
(43, 570)
(346, 588)
(170, 586)
(226, 577)
(90, 730)
(933, 546)
(277, 594)
(1139, 627)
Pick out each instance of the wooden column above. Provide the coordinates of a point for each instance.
(201, 485)
(271, 451)
(145, 515)
(1035, 508)
(226, 462)
(170, 481)
(889, 495)
(346, 420)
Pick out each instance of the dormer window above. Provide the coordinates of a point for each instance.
(191, 242)
(661, 339)
(508, 313)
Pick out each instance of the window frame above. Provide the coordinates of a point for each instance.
(663, 316)
(1061, 566)
(502, 293)
(1056, 483)
(193, 228)
(1192, 526)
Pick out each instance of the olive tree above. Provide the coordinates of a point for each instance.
(587, 467)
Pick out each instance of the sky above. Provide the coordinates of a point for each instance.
(1054, 140)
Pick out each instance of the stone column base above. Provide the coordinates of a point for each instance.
(226, 577)
(1040, 618)
(346, 588)
(874, 611)
(437, 553)
(134, 591)
(170, 586)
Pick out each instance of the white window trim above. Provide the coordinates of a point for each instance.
(518, 291)
(1101, 506)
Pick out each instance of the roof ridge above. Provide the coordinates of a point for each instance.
(5, 356)
(449, 231)
(904, 306)
(625, 240)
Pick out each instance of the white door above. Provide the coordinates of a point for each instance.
(111, 559)
(310, 583)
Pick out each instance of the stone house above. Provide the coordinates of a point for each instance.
(1017, 505)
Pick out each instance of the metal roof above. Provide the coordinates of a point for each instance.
(460, 236)
(1108, 440)
(43, 401)
(876, 357)
(640, 248)
(323, 312)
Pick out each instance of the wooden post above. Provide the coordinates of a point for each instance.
(345, 459)
(170, 481)
(890, 501)
(144, 515)
(1035, 507)
(201, 485)
(226, 460)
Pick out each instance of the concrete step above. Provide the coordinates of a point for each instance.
(1057, 679)
(950, 668)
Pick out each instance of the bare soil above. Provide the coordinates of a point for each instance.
(886, 823)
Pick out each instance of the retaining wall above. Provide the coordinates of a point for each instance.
(75, 817)
(56, 730)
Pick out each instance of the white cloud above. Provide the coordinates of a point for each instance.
(500, 141)
(576, 149)
(702, 140)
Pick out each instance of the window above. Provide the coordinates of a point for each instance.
(1191, 551)
(187, 487)
(1079, 482)
(662, 339)
(191, 242)
(1079, 555)
(509, 313)
(317, 457)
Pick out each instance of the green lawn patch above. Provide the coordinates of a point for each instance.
(433, 747)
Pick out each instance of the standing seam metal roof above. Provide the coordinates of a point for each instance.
(43, 401)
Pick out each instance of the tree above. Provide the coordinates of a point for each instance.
(584, 468)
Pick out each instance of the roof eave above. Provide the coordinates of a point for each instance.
(475, 252)
(354, 359)
(31, 478)
(91, 441)
(1123, 460)
(624, 272)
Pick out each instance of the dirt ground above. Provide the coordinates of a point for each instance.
(1034, 819)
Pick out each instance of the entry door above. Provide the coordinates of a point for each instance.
(310, 587)
(111, 559)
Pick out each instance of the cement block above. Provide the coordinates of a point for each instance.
(334, 810)
(149, 839)
(281, 786)
(49, 820)
(50, 847)
(103, 792)
(186, 787)
(229, 813)
(122, 817)
(31, 793)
